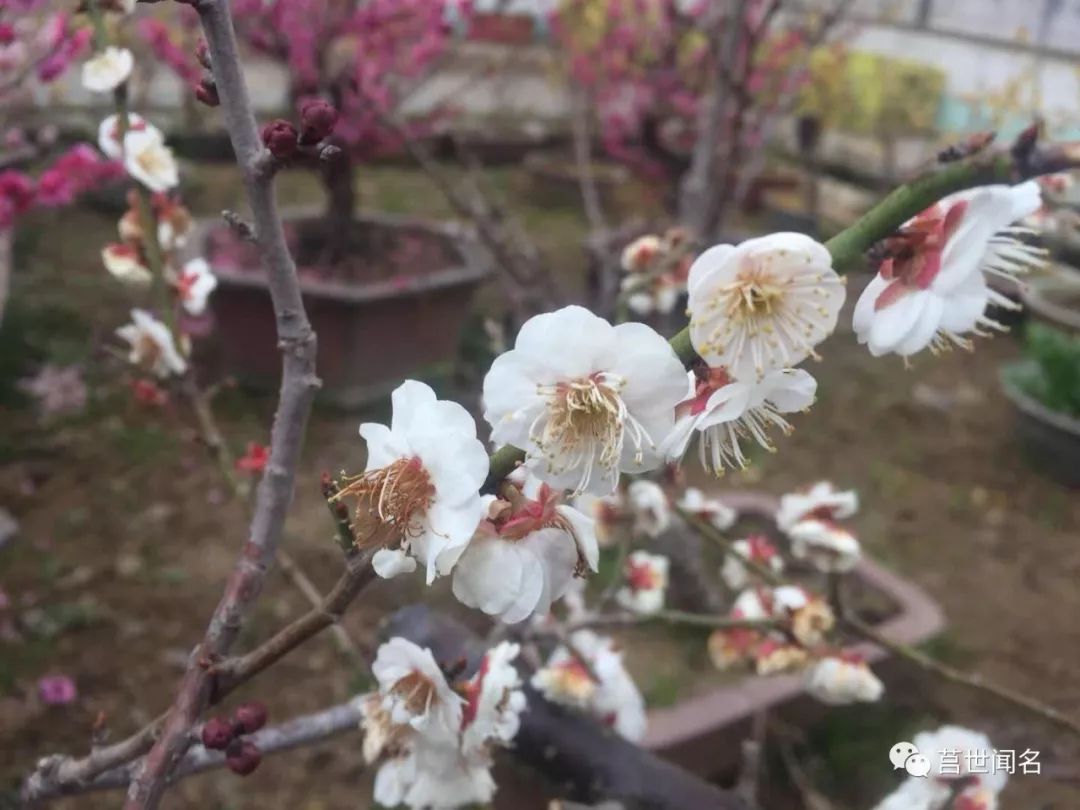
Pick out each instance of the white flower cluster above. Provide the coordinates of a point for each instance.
(591, 676)
(435, 742)
(956, 787)
(809, 518)
(140, 147)
(756, 311)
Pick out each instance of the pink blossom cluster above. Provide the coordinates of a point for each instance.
(175, 56)
(649, 64)
(363, 57)
(75, 172)
(32, 45)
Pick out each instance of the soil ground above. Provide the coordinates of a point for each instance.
(126, 536)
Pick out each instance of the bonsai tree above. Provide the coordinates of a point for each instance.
(689, 91)
(362, 57)
(581, 417)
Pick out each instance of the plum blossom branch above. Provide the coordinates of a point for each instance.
(300, 731)
(61, 775)
(971, 680)
(298, 386)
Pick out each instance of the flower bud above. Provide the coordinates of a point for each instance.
(243, 757)
(202, 54)
(250, 717)
(317, 121)
(206, 92)
(217, 733)
(280, 138)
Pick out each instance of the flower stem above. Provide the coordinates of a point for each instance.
(971, 680)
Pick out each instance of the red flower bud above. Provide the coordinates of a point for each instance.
(250, 717)
(317, 120)
(217, 733)
(206, 92)
(202, 54)
(280, 138)
(243, 757)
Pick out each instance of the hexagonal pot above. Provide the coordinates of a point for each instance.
(374, 330)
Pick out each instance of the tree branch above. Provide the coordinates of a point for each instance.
(1023, 161)
(298, 386)
(971, 680)
(62, 775)
(300, 731)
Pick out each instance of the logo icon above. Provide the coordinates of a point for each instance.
(905, 756)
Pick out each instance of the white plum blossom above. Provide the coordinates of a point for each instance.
(639, 254)
(954, 788)
(194, 285)
(584, 399)
(413, 691)
(764, 304)
(821, 501)
(608, 512)
(931, 291)
(711, 510)
(649, 508)
(418, 499)
(125, 263)
(825, 545)
(646, 578)
(612, 697)
(959, 741)
(842, 679)
(756, 549)
(107, 70)
(149, 160)
(526, 555)
(726, 411)
(152, 345)
(109, 141)
(494, 700)
(435, 745)
(645, 296)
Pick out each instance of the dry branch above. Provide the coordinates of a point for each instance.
(298, 386)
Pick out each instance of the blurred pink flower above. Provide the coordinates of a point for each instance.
(57, 690)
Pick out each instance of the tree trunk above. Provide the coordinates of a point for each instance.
(337, 176)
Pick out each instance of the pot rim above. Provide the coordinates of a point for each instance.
(473, 268)
(1029, 406)
(1038, 296)
(918, 618)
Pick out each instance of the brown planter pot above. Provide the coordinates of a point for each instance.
(1051, 440)
(704, 733)
(371, 334)
(506, 29)
(1055, 300)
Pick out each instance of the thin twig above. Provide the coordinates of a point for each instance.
(300, 731)
(298, 386)
(62, 775)
(710, 532)
(972, 680)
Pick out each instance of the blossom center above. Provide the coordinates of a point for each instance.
(642, 577)
(755, 292)
(397, 495)
(585, 424)
(416, 692)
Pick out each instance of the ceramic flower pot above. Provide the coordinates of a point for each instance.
(399, 308)
(1055, 300)
(1051, 440)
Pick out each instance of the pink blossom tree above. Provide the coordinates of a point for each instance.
(687, 91)
(364, 58)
